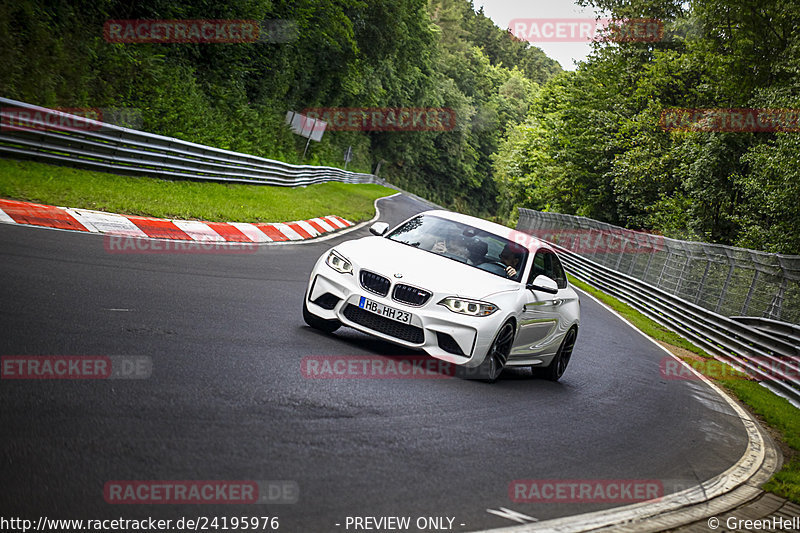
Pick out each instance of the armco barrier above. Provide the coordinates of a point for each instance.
(758, 352)
(724, 279)
(110, 148)
(789, 332)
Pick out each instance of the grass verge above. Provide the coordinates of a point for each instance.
(781, 416)
(185, 200)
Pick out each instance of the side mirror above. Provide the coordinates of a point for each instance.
(544, 284)
(379, 228)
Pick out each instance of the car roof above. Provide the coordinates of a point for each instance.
(528, 241)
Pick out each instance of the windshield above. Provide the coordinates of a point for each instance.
(463, 243)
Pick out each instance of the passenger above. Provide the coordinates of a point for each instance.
(451, 244)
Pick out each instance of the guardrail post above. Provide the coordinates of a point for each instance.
(725, 287)
(774, 310)
(750, 293)
(649, 262)
(591, 240)
(633, 264)
(663, 268)
(621, 253)
(703, 281)
(680, 275)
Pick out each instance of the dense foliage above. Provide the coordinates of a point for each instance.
(587, 142)
(592, 144)
(346, 53)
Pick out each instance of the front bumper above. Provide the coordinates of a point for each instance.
(441, 333)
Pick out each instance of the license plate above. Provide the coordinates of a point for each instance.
(385, 310)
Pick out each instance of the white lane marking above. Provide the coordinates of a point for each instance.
(198, 231)
(512, 515)
(308, 227)
(5, 218)
(289, 232)
(251, 232)
(108, 223)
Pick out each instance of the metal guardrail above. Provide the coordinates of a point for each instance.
(788, 332)
(106, 147)
(773, 360)
(724, 279)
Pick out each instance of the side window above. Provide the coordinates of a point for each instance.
(538, 267)
(546, 262)
(558, 274)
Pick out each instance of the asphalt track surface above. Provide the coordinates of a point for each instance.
(227, 400)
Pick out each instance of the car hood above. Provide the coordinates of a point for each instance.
(422, 269)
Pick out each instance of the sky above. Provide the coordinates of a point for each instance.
(566, 53)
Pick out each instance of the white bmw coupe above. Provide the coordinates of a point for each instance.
(471, 292)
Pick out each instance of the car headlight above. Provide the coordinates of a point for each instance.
(469, 307)
(339, 263)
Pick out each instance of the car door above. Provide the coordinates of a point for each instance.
(540, 321)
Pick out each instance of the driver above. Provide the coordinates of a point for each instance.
(511, 256)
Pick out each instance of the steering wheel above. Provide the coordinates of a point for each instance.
(498, 264)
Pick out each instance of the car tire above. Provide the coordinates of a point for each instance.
(496, 357)
(558, 365)
(328, 326)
